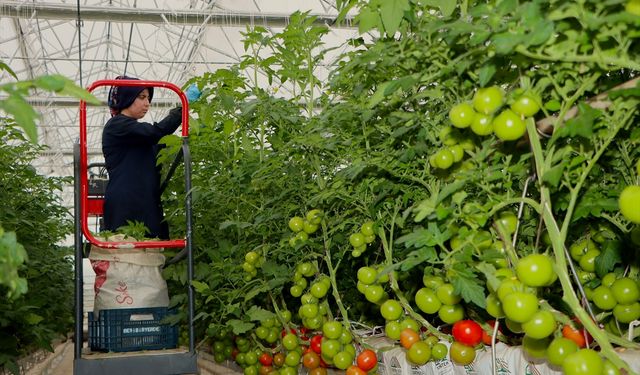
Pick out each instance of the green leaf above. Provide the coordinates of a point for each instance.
(424, 209)
(608, 258)
(486, 73)
(467, 285)
(7, 69)
(379, 95)
(239, 327)
(200, 287)
(33, 319)
(255, 291)
(446, 6)
(590, 205)
(540, 33)
(259, 314)
(418, 257)
(581, 125)
(368, 19)
(391, 13)
(553, 105)
(507, 42)
(71, 89)
(554, 174)
(489, 272)
(23, 114)
(50, 83)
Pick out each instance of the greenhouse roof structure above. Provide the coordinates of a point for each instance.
(167, 40)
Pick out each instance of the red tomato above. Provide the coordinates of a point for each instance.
(367, 359)
(315, 343)
(266, 359)
(579, 336)
(486, 335)
(355, 370)
(467, 332)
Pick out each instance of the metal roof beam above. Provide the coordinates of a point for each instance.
(19, 9)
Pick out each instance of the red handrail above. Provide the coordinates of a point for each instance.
(84, 184)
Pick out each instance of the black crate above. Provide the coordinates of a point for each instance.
(126, 330)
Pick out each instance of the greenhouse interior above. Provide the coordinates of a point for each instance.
(320, 187)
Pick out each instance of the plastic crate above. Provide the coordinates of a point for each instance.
(126, 330)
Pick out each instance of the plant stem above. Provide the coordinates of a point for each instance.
(388, 252)
(557, 241)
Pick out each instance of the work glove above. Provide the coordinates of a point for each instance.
(193, 93)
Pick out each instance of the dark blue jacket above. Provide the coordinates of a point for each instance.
(130, 149)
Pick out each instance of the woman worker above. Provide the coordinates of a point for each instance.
(130, 148)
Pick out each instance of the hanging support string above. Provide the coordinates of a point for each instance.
(78, 27)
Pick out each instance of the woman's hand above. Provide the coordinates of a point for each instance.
(193, 93)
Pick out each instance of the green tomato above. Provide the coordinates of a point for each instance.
(419, 353)
(608, 368)
(296, 224)
(431, 281)
(461, 354)
(451, 313)
(367, 228)
(357, 239)
(409, 323)
(627, 313)
(309, 310)
(588, 260)
(290, 341)
(609, 279)
(578, 249)
(536, 348)
(603, 298)
(444, 159)
(292, 359)
(482, 124)
(393, 329)
(494, 306)
(507, 287)
(633, 7)
(461, 115)
(427, 301)
(319, 289)
(343, 360)
(367, 275)
(508, 126)
(520, 306)
(508, 220)
(447, 295)
(488, 100)
(332, 329)
(542, 324)
(625, 290)
(330, 347)
(526, 105)
(629, 202)
(309, 228)
(251, 257)
(457, 151)
(583, 362)
(439, 351)
(296, 291)
(559, 349)
(391, 309)
(374, 293)
(315, 216)
(535, 270)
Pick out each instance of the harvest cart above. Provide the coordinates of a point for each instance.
(88, 203)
